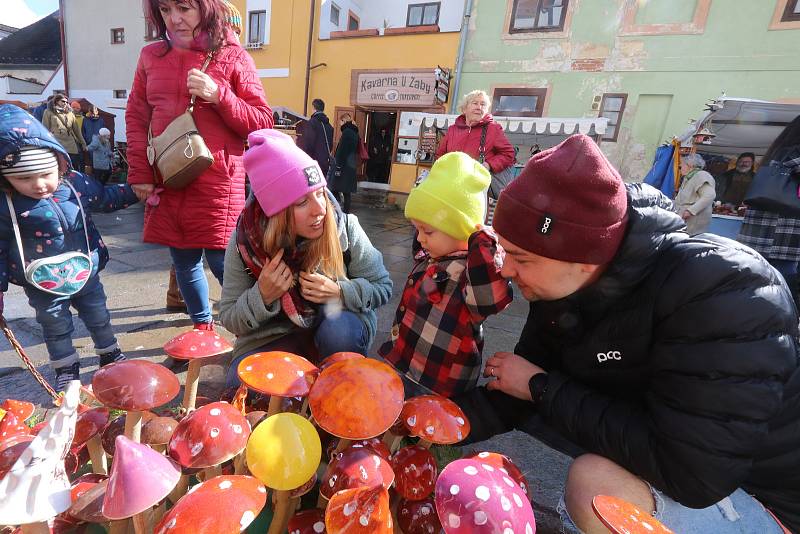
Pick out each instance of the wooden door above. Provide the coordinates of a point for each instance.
(338, 114)
(361, 119)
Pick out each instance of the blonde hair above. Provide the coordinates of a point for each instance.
(324, 254)
(473, 95)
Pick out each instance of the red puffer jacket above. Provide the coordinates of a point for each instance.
(204, 214)
(463, 138)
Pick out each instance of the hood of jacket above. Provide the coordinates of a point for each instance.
(18, 128)
(321, 117)
(349, 126)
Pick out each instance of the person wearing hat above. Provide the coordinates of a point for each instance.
(49, 244)
(672, 361)
(60, 119)
(300, 275)
(455, 283)
(102, 155)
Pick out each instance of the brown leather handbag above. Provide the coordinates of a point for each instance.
(179, 153)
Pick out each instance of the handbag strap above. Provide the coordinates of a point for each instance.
(15, 223)
(482, 147)
(192, 100)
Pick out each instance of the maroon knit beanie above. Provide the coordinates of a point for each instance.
(568, 204)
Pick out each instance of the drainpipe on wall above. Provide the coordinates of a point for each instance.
(63, 44)
(455, 95)
(308, 56)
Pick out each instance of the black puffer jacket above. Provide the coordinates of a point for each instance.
(680, 363)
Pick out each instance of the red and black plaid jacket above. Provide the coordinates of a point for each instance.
(437, 337)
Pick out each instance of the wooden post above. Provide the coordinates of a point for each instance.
(97, 455)
(280, 519)
(275, 403)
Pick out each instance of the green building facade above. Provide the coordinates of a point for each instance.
(650, 66)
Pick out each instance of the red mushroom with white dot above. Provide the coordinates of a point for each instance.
(195, 346)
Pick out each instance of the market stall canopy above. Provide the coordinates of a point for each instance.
(742, 125)
(411, 121)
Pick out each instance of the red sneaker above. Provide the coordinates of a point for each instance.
(204, 326)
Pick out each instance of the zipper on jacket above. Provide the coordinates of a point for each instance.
(63, 220)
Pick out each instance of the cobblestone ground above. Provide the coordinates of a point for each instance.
(136, 280)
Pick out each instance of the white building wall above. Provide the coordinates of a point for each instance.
(96, 67)
(55, 83)
(392, 12)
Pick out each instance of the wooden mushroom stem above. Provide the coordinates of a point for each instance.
(179, 490)
(36, 528)
(192, 380)
(118, 527)
(133, 426)
(143, 522)
(97, 455)
(424, 443)
(280, 518)
(392, 440)
(275, 403)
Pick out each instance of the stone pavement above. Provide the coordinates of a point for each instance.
(136, 280)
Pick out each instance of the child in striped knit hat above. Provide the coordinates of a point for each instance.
(48, 242)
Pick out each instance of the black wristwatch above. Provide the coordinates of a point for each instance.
(538, 387)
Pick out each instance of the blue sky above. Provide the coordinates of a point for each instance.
(42, 7)
(20, 13)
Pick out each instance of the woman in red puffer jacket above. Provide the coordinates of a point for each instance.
(465, 134)
(197, 220)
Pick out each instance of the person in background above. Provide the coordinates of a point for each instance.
(317, 136)
(194, 222)
(380, 154)
(695, 198)
(345, 182)
(776, 236)
(60, 119)
(731, 185)
(300, 275)
(102, 155)
(92, 123)
(475, 123)
(454, 285)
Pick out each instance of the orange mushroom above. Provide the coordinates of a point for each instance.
(359, 511)
(622, 517)
(435, 419)
(277, 374)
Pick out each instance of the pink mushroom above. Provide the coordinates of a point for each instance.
(505, 465)
(473, 497)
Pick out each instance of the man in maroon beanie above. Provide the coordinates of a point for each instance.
(672, 361)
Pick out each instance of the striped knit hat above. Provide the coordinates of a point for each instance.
(29, 159)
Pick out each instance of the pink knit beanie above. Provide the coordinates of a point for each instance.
(279, 171)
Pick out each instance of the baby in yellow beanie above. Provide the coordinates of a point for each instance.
(455, 284)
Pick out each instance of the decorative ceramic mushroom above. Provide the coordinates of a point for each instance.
(277, 374)
(221, 505)
(157, 432)
(134, 386)
(88, 506)
(10, 426)
(418, 517)
(11, 449)
(283, 452)
(340, 357)
(116, 427)
(88, 431)
(505, 465)
(209, 436)
(359, 511)
(140, 478)
(475, 497)
(36, 488)
(356, 399)
(435, 419)
(622, 517)
(308, 522)
(22, 409)
(355, 467)
(416, 470)
(195, 346)
(375, 445)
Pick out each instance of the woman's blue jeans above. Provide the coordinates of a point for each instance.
(344, 333)
(191, 277)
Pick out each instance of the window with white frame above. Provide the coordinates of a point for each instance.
(335, 12)
(538, 15)
(257, 27)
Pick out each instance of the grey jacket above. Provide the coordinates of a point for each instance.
(244, 313)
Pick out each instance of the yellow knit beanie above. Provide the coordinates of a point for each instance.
(452, 198)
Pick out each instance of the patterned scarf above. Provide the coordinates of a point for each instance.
(249, 241)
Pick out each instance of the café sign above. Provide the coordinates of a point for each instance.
(398, 88)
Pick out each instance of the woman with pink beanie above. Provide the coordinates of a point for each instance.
(300, 275)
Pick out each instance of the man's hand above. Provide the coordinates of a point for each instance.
(511, 374)
(200, 84)
(142, 191)
(686, 215)
(275, 279)
(318, 288)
